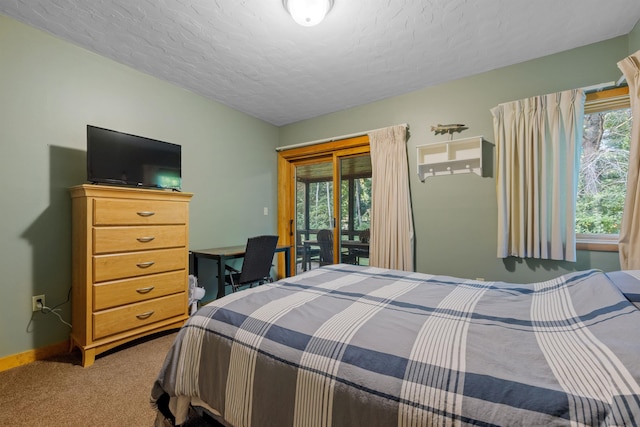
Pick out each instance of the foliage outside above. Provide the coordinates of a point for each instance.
(361, 204)
(603, 172)
(320, 196)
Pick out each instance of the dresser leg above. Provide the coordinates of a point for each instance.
(88, 357)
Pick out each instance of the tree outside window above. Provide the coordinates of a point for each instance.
(603, 166)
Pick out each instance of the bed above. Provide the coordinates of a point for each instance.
(346, 345)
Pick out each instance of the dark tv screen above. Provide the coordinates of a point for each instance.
(122, 159)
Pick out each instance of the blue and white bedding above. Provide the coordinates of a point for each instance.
(628, 281)
(345, 345)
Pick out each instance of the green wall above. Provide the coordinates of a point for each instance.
(634, 39)
(455, 216)
(49, 91)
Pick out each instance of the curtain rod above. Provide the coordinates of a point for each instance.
(604, 86)
(331, 139)
(598, 87)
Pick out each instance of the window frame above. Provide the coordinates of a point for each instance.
(608, 99)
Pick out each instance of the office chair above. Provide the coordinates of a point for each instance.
(325, 241)
(256, 267)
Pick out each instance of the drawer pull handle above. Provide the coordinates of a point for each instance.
(143, 316)
(145, 264)
(145, 290)
(145, 239)
(146, 213)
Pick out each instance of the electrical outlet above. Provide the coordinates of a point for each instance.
(37, 302)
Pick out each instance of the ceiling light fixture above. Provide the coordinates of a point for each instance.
(308, 12)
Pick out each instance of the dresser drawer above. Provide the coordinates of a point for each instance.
(115, 320)
(138, 238)
(134, 264)
(138, 212)
(121, 292)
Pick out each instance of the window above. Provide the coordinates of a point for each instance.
(603, 169)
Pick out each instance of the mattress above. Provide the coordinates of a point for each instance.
(346, 345)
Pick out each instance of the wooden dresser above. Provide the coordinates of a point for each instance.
(129, 265)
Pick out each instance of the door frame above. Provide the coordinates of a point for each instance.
(287, 161)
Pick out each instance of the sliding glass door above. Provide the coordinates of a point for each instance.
(323, 202)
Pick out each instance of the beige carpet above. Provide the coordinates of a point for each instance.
(114, 391)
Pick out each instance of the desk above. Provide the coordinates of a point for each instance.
(231, 252)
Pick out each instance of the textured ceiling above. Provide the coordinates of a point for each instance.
(251, 56)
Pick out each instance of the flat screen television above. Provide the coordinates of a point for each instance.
(119, 158)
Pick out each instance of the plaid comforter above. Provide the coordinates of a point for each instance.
(357, 346)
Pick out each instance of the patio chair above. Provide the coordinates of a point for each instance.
(364, 236)
(305, 254)
(325, 241)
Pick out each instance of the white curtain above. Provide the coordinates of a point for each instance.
(538, 144)
(629, 243)
(391, 244)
